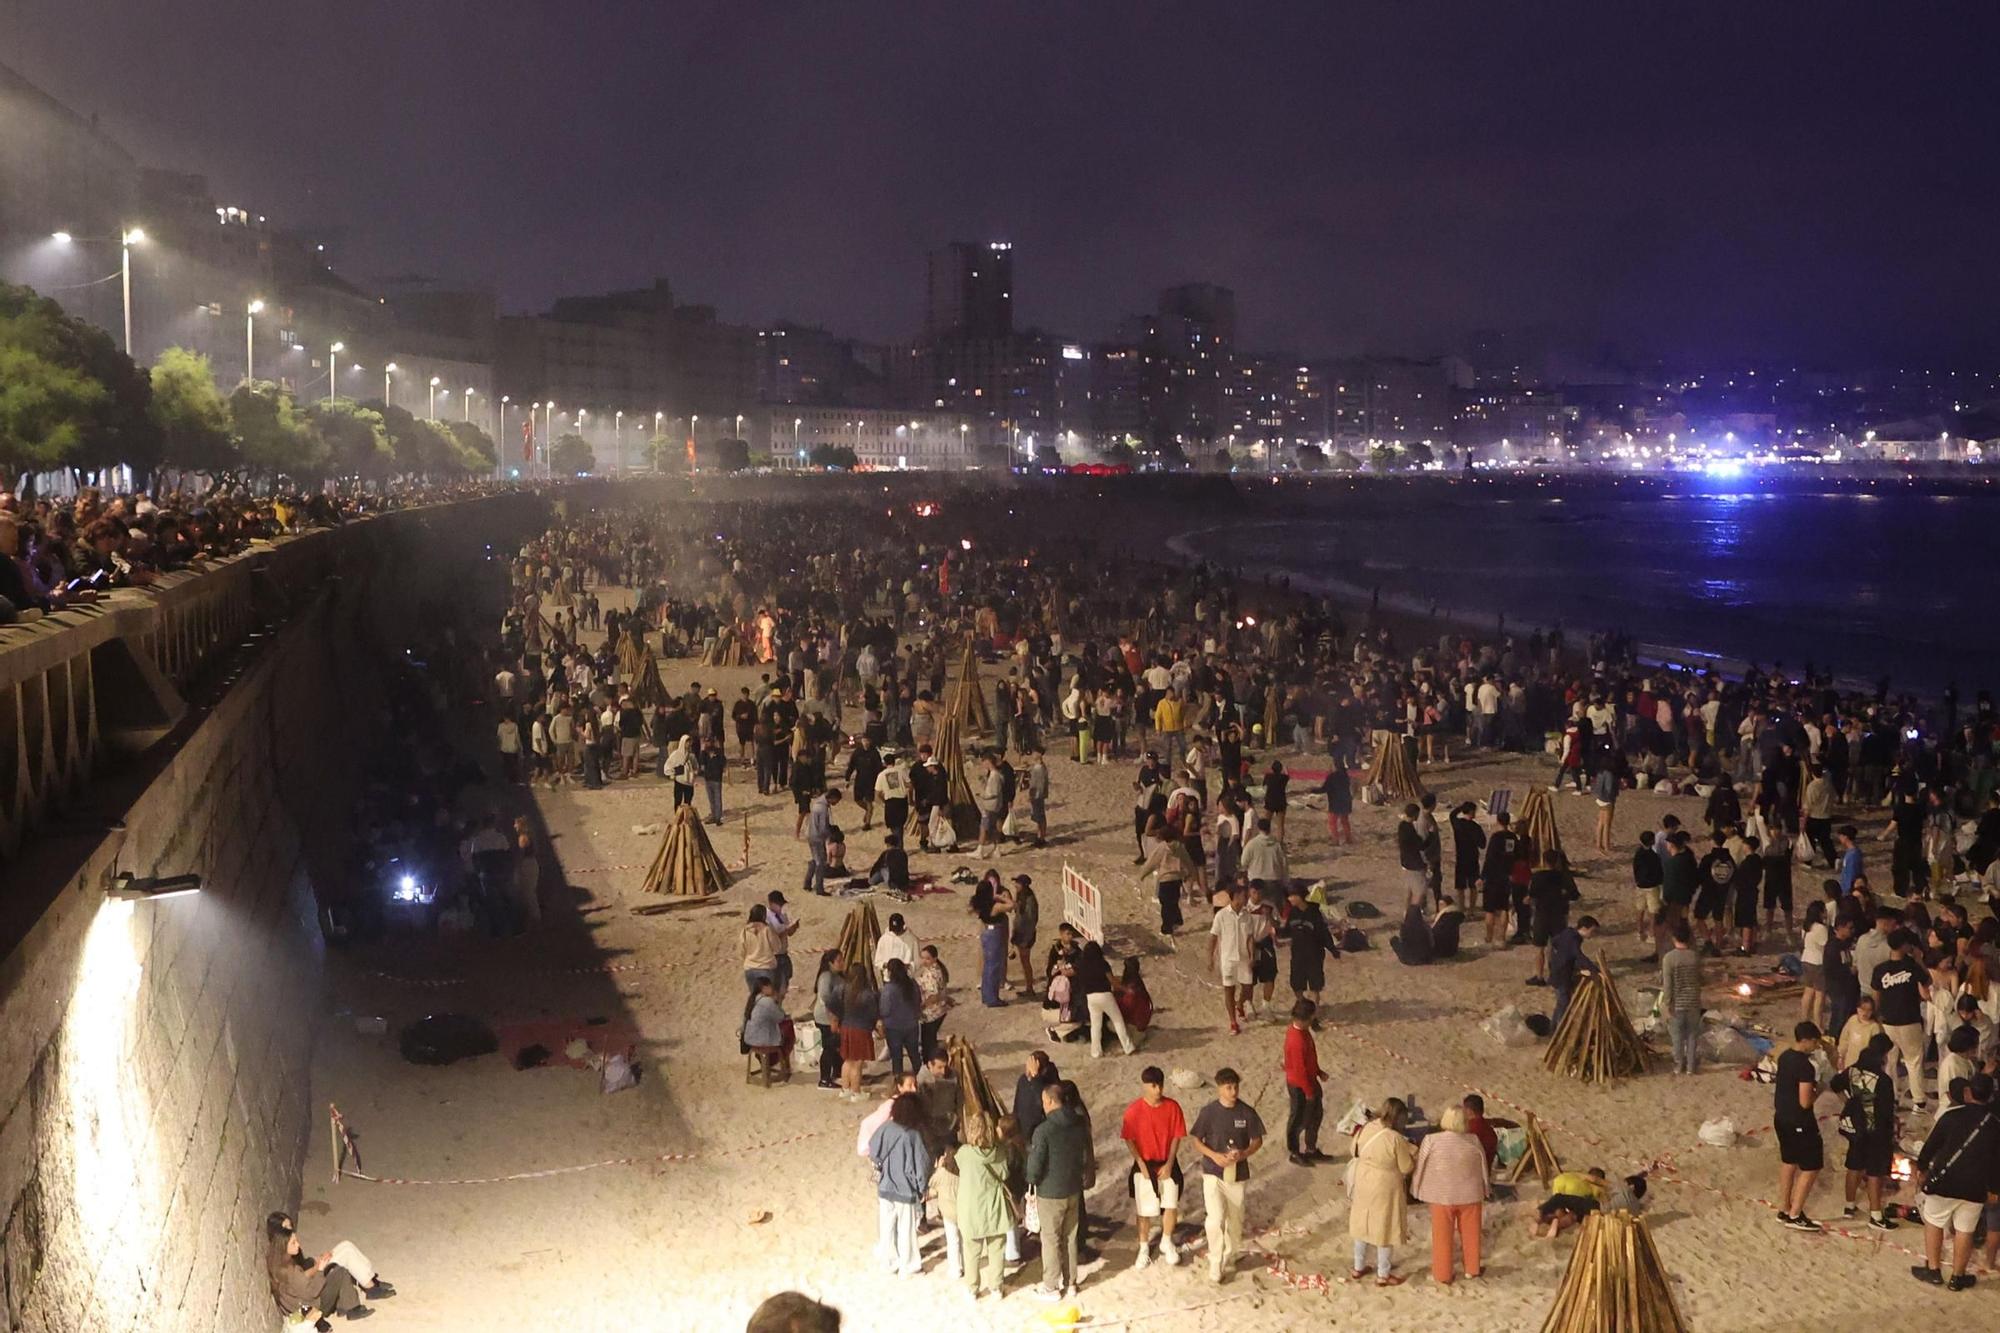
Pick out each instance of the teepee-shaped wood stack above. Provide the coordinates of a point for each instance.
(727, 649)
(959, 798)
(1537, 1157)
(979, 1111)
(1595, 1041)
(1536, 821)
(631, 657)
(1391, 771)
(686, 865)
(858, 935)
(1615, 1282)
(968, 701)
(648, 690)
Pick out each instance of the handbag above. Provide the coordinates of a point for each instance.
(1031, 1213)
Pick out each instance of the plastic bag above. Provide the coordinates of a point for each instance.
(1357, 1116)
(1511, 1145)
(619, 1073)
(1718, 1133)
(1508, 1027)
(1726, 1046)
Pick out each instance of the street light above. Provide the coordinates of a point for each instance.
(132, 237)
(739, 425)
(466, 414)
(618, 439)
(332, 365)
(435, 381)
(387, 371)
(250, 314)
(796, 423)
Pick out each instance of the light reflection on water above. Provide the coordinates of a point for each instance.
(1893, 583)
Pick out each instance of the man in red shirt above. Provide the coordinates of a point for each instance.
(1479, 1127)
(1153, 1130)
(1302, 1079)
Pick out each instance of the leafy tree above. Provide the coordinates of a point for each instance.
(273, 437)
(1120, 454)
(572, 455)
(833, 455)
(357, 439)
(1311, 458)
(191, 414)
(1381, 458)
(724, 455)
(1220, 461)
(44, 406)
(666, 453)
(113, 424)
(475, 447)
(1419, 455)
(1344, 461)
(1048, 456)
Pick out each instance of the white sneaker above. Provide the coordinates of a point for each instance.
(1145, 1257)
(1168, 1253)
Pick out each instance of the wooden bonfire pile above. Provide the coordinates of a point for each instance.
(727, 650)
(858, 935)
(1596, 1041)
(1391, 772)
(631, 657)
(1536, 821)
(1615, 1282)
(686, 865)
(979, 1111)
(1537, 1157)
(648, 690)
(964, 809)
(968, 701)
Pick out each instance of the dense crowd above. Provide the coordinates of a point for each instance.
(1214, 685)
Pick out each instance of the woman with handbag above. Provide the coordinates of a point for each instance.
(1377, 1195)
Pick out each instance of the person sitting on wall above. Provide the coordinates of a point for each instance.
(334, 1283)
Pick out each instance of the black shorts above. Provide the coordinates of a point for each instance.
(1308, 976)
(1543, 929)
(1574, 1205)
(1778, 893)
(1746, 910)
(1800, 1145)
(1709, 906)
(1871, 1154)
(1264, 962)
(1495, 897)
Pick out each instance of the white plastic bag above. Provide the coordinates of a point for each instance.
(1508, 1027)
(1718, 1133)
(1726, 1046)
(1357, 1116)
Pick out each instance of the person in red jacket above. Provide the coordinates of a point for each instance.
(1302, 1079)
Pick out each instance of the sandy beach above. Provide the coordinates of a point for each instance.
(564, 1207)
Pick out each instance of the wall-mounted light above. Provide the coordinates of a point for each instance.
(127, 887)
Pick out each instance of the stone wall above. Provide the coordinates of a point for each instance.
(154, 1055)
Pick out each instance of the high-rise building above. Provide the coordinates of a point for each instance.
(971, 291)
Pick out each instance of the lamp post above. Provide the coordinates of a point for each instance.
(466, 414)
(332, 367)
(387, 371)
(131, 237)
(500, 425)
(618, 438)
(250, 313)
(796, 423)
(739, 425)
(548, 438)
(435, 381)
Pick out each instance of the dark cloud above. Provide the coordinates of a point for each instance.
(1814, 179)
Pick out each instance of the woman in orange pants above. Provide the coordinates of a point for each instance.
(1451, 1177)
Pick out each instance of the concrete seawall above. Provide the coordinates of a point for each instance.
(154, 1055)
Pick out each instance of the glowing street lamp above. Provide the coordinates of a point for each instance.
(387, 371)
(332, 365)
(435, 381)
(250, 314)
(133, 236)
(466, 415)
(796, 423)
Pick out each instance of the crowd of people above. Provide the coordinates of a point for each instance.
(1218, 691)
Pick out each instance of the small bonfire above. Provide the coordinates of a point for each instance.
(1596, 1041)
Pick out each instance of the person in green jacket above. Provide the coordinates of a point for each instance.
(985, 1215)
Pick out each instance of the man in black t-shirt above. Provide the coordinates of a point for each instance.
(1711, 899)
(1801, 1152)
(1902, 988)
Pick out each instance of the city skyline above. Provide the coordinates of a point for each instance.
(1726, 188)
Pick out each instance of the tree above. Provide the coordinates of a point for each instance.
(833, 455)
(476, 451)
(572, 456)
(1381, 458)
(1419, 455)
(666, 453)
(44, 406)
(357, 439)
(1119, 453)
(1311, 458)
(272, 436)
(191, 414)
(1221, 461)
(1344, 461)
(109, 422)
(725, 455)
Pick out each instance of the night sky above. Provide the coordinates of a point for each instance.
(1819, 181)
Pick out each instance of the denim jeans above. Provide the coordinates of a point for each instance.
(993, 962)
(1685, 1029)
(816, 871)
(903, 1041)
(714, 786)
